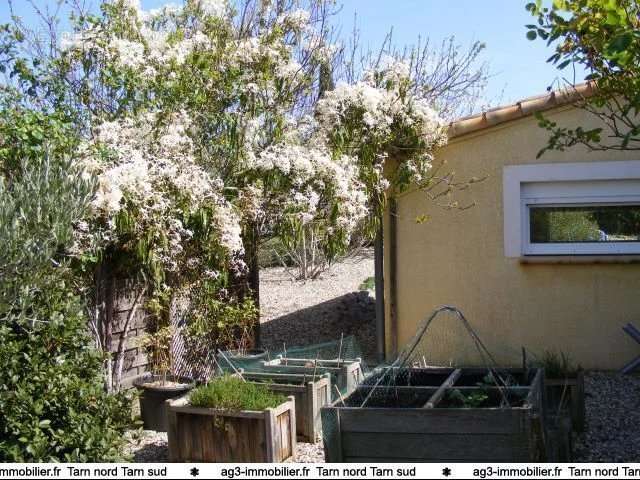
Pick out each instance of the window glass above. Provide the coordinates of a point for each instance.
(589, 223)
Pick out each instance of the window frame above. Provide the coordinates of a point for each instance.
(516, 201)
(575, 248)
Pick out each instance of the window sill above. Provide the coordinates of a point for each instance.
(578, 259)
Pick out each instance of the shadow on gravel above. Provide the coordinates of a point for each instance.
(351, 314)
(151, 453)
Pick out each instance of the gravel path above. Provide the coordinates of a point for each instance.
(305, 313)
(613, 415)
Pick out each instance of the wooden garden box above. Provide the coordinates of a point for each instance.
(214, 435)
(411, 421)
(573, 399)
(310, 395)
(345, 374)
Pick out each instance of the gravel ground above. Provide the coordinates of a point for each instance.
(613, 415)
(300, 313)
(150, 447)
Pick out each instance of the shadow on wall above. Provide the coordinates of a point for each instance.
(350, 314)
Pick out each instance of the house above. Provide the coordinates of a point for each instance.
(547, 259)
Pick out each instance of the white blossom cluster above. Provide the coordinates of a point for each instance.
(380, 104)
(148, 171)
(317, 184)
(153, 166)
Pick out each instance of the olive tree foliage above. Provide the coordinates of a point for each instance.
(603, 36)
(52, 403)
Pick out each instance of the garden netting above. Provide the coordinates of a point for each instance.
(341, 358)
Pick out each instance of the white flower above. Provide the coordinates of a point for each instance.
(213, 8)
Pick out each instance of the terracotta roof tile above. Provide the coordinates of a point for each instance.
(523, 108)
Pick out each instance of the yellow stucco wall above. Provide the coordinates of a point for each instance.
(457, 258)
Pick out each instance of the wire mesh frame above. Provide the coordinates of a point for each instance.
(400, 364)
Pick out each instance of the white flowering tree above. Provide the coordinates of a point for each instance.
(205, 121)
(183, 107)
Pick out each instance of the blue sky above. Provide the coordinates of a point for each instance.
(518, 66)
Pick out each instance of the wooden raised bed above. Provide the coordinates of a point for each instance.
(215, 435)
(310, 396)
(345, 374)
(569, 392)
(414, 420)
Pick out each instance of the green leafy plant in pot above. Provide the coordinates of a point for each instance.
(162, 383)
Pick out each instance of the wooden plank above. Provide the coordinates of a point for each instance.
(301, 368)
(281, 387)
(196, 433)
(292, 430)
(275, 435)
(420, 420)
(269, 422)
(184, 429)
(173, 441)
(480, 447)
(284, 431)
(299, 377)
(400, 388)
(302, 362)
(311, 410)
(378, 257)
(214, 412)
(439, 393)
(208, 445)
(393, 277)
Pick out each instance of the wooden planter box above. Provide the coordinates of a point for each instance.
(413, 423)
(573, 398)
(214, 435)
(345, 374)
(310, 395)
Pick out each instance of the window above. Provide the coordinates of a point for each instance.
(572, 209)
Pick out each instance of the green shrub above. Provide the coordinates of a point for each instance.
(53, 406)
(233, 393)
(52, 390)
(368, 284)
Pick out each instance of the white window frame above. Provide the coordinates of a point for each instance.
(566, 184)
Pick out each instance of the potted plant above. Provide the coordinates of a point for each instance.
(161, 383)
(564, 387)
(231, 420)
